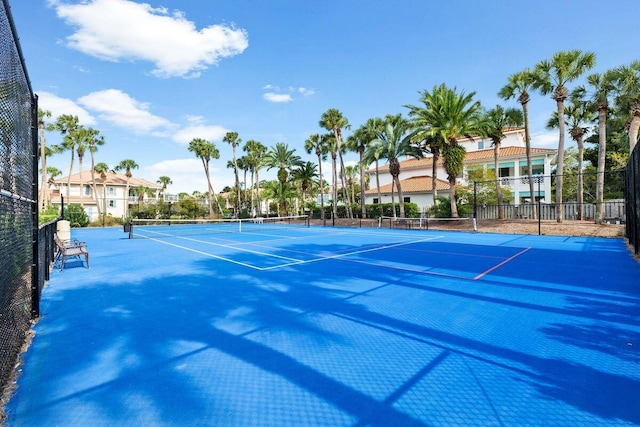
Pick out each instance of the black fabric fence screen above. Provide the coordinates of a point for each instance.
(632, 196)
(19, 289)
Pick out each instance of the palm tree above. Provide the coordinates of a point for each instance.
(281, 192)
(602, 85)
(333, 121)
(67, 124)
(85, 139)
(165, 181)
(519, 85)
(243, 165)
(232, 139)
(578, 113)
(305, 176)
(628, 98)
(43, 195)
(494, 123)
(206, 151)
(256, 157)
(358, 142)
(127, 165)
(393, 143)
(317, 144)
(451, 116)
(283, 158)
(95, 140)
(102, 169)
(551, 78)
(352, 173)
(373, 156)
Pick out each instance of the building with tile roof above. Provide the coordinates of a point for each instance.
(109, 192)
(416, 181)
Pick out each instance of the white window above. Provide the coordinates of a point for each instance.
(87, 190)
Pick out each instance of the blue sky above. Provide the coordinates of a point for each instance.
(153, 75)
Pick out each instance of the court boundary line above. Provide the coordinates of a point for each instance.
(512, 257)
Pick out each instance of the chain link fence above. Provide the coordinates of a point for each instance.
(19, 285)
(577, 207)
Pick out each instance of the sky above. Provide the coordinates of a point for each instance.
(151, 76)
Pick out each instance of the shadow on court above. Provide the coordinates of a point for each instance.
(156, 335)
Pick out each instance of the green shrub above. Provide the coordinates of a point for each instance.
(76, 215)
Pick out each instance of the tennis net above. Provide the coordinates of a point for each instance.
(158, 228)
(459, 224)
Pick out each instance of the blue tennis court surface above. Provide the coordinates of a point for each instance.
(337, 327)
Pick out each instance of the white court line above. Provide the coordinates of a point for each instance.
(351, 253)
(205, 253)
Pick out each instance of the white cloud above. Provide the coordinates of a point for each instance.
(545, 140)
(59, 106)
(306, 91)
(277, 97)
(117, 30)
(198, 130)
(120, 109)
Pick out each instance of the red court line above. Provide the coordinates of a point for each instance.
(484, 273)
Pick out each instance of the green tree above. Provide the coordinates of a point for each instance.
(232, 139)
(318, 144)
(599, 90)
(164, 181)
(43, 199)
(393, 143)
(102, 169)
(206, 151)
(305, 176)
(628, 98)
(282, 158)
(358, 142)
(451, 116)
(579, 116)
(334, 121)
(95, 140)
(519, 85)
(67, 124)
(256, 158)
(127, 165)
(493, 125)
(552, 76)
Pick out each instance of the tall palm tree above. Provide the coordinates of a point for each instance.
(67, 124)
(206, 151)
(282, 158)
(494, 123)
(127, 165)
(256, 152)
(578, 114)
(164, 181)
(519, 85)
(373, 156)
(628, 98)
(243, 164)
(318, 144)
(232, 139)
(305, 175)
(95, 140)
(334, 121)
(102, 169)
(602, 86)
(358, 142)
(43, 199)
(451, 116)
(85, 138)
(552, 76)
(393, 143)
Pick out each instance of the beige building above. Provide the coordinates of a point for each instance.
(109, 193)
(415, 174)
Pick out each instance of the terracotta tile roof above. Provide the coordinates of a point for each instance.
(471, 156)
(113, 178)
(416, 184)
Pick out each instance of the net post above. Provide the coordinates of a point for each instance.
(239, 225)
(475, 225)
